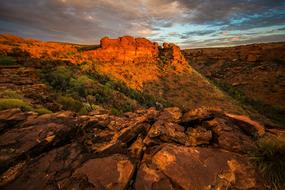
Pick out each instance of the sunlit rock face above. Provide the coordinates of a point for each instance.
(137, 61)
(126, 49)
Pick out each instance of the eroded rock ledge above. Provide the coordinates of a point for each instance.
(128, 49)
(147, 149)
(127, 58)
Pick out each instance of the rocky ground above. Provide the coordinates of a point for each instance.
(146, 149)
(26, 81)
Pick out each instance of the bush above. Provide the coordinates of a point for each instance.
(7, 60)
(87, 108)
(115, 111)
(60, 78)
(18, 52)
(42, 111)
(77, 87)
(269, 159)
(10, 94)
(7, 103)
(69, 103)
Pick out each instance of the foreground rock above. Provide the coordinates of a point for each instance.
(198, 168)
(147, 149)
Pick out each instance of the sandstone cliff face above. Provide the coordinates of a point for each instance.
(136, 60)
(135, 50)
(126, 49)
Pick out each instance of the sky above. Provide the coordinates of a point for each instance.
(188, 23)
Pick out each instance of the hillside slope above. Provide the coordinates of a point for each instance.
(253, 74)
(142, 65)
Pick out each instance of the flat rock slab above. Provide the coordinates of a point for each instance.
(113, 172)
(204, 168)
(149, 177)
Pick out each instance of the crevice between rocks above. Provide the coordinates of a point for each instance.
(61, 139)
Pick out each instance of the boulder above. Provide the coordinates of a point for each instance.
(252, 127)
(113, 172)
(162, 131)
(196, 116)
(172, 114)
(229, 136)
(204, 168)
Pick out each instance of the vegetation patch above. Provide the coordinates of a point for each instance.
(42, 111)
(70, 103)
(8, 103)
(80, 88)
(273, 112)
(269, 159)
(10, 94)
(7, 60)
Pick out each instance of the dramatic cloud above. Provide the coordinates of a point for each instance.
(189, 23)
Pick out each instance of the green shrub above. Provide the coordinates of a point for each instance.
(70, 103)
(115, 111)
(126, 107)
(77, 87)
(42, 111)
(11, 94)
(87, 108)
(98, 77)
(18, 52)
(7, 60)
(269, 159)
(85, 84)
(7, 103)
(59, 79)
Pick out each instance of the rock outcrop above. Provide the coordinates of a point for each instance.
(146, 149)
(127, 58)
(126, 49)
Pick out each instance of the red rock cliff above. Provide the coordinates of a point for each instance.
(137, 60)
(126, 49)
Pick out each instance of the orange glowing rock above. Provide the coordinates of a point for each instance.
(126, 49)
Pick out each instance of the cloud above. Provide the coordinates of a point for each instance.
(86, 21)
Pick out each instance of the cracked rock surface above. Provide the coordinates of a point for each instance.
(144, 150)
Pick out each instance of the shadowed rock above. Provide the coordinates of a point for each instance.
(146, 149)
